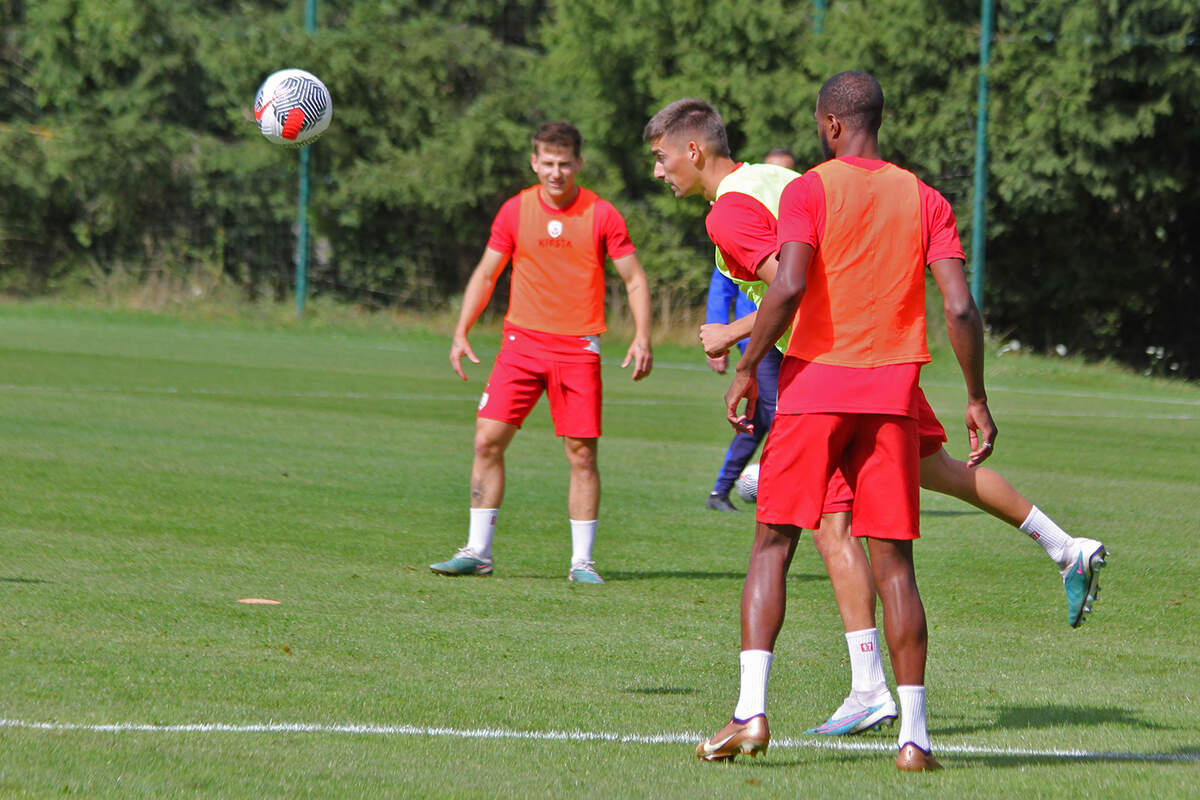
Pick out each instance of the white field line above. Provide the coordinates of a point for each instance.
(814, 743)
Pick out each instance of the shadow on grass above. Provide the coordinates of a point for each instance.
(1180, 755)
(660, 690)
(952, 760)
(23, 580)
(1018, 717)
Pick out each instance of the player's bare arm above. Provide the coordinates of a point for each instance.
(717, 338)
(965, 327)
(637, 287)
(773, 318)
(718, 364)
(475, 299)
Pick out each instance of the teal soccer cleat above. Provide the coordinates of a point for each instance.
(465, 562)
(1081, 578)
(584, 572)
(853, 717)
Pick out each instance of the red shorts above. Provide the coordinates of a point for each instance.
(839, 497)
(879, 455)
(518, 380)
(932, 434)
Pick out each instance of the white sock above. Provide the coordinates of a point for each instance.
(866, 665)
(583, 536)
(912, 717)
(756, 669)
(1052, 538)
(483, 528)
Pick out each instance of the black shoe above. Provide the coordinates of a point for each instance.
(720, 502)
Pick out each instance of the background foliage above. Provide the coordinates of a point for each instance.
(127, 147)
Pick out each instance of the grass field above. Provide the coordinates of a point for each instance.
(154, 471)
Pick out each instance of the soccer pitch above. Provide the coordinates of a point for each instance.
(155, 471)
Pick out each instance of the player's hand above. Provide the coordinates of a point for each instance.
(714, 337)
(460, 347)
(642, 359)
(981, 431)
(744, 385)
(719, 364)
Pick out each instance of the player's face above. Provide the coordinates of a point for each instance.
(556, 168)
(674, 163)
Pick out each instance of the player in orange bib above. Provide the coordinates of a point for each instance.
(558, 236)
(688, 140)
(854, 294)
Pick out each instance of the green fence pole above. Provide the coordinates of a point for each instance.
(979, 211)
(819, 15)
(310, 26)
(302, 235)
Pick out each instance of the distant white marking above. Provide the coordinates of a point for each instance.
(714, 401)
(1125, 398)
(815, 743)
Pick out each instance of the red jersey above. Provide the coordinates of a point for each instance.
(744, 230)
(809, 387)
(558, 260)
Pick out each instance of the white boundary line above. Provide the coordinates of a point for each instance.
(815, 743)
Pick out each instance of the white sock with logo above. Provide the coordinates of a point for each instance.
(1044, 531)
(756, 669)
(912, 717)
(866, 665)
(483, 528)
(583, 536)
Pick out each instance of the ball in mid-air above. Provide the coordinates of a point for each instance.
(292, 107)
(746, 485)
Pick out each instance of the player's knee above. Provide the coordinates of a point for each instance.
(488, 448)
(581, 453)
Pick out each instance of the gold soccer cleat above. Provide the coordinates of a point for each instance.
(750, 737)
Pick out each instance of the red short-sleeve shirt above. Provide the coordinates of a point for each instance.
(808, 387)
(611, 234)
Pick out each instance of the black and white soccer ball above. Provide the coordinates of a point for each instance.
(292, 107)
(746, 484)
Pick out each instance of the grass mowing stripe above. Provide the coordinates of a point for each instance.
(572, 736)
(217, 392)
(999, 388)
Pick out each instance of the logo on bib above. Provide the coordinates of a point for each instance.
(554, 228)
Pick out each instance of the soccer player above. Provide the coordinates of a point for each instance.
(721, 292)
(557, 235)
(689, 144)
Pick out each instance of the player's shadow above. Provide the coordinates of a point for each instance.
(23, 580)
(1179, 755)
(952, 760)
(1028, 717)
(660, 690)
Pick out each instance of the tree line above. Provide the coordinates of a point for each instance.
(127, 140)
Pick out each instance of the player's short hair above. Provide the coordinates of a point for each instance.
(780, 152)
(855, 98)
(690, 116)
(558, 134)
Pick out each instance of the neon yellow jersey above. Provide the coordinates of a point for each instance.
(765, 183)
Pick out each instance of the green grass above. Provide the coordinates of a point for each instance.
(155, 470)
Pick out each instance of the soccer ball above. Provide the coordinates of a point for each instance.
(747, 484)
(292, 107)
